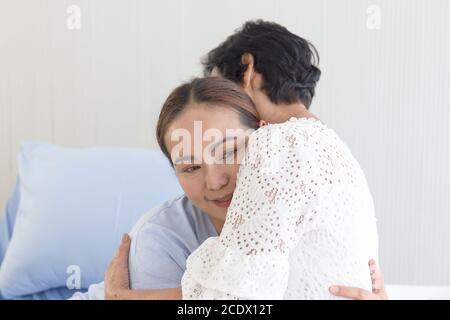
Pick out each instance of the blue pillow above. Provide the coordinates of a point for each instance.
(74, 206)
(6, 229)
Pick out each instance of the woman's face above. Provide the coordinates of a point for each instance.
(207, 144)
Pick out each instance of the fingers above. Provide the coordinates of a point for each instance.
(124, 249)
(378, 290)
(352, 293)
(376, 276)
(122, 252)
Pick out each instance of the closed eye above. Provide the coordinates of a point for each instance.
(229, 153)
(191, 169)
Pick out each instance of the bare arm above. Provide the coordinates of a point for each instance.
(157, 294)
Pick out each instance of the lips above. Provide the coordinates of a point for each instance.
(223, 202)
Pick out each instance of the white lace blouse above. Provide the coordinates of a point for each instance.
(301, 219)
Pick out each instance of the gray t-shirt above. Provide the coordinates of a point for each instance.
(162, 240)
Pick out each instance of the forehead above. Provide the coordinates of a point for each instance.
(198, 119)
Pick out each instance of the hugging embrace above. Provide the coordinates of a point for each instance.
(274, 207)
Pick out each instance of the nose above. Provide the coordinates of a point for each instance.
(216, 178)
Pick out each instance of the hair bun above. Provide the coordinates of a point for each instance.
(310, 78)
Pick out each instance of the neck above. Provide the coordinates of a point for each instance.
(283, 112)
(217, 223)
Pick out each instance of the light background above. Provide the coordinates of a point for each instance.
(386, 92)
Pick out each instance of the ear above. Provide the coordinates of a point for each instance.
(215, 72)
(248, 60)
(262, 123)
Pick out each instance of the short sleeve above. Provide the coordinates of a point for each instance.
(157, 258)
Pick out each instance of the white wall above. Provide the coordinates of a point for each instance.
(386, 91)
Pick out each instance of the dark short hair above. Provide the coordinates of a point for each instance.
(214, 92)
(287, 62)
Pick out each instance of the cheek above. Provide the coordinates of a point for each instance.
(192, 187)
(233, 171)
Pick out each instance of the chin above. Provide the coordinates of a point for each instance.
(220, 213)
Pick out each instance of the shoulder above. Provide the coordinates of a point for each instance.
(160, 214)
(174, 220)
(289, 132)
(296, 138)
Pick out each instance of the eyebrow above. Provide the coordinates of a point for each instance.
(192, 158)
(182, 159)
(222, 142)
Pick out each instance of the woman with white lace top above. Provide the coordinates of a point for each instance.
(302, 216)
